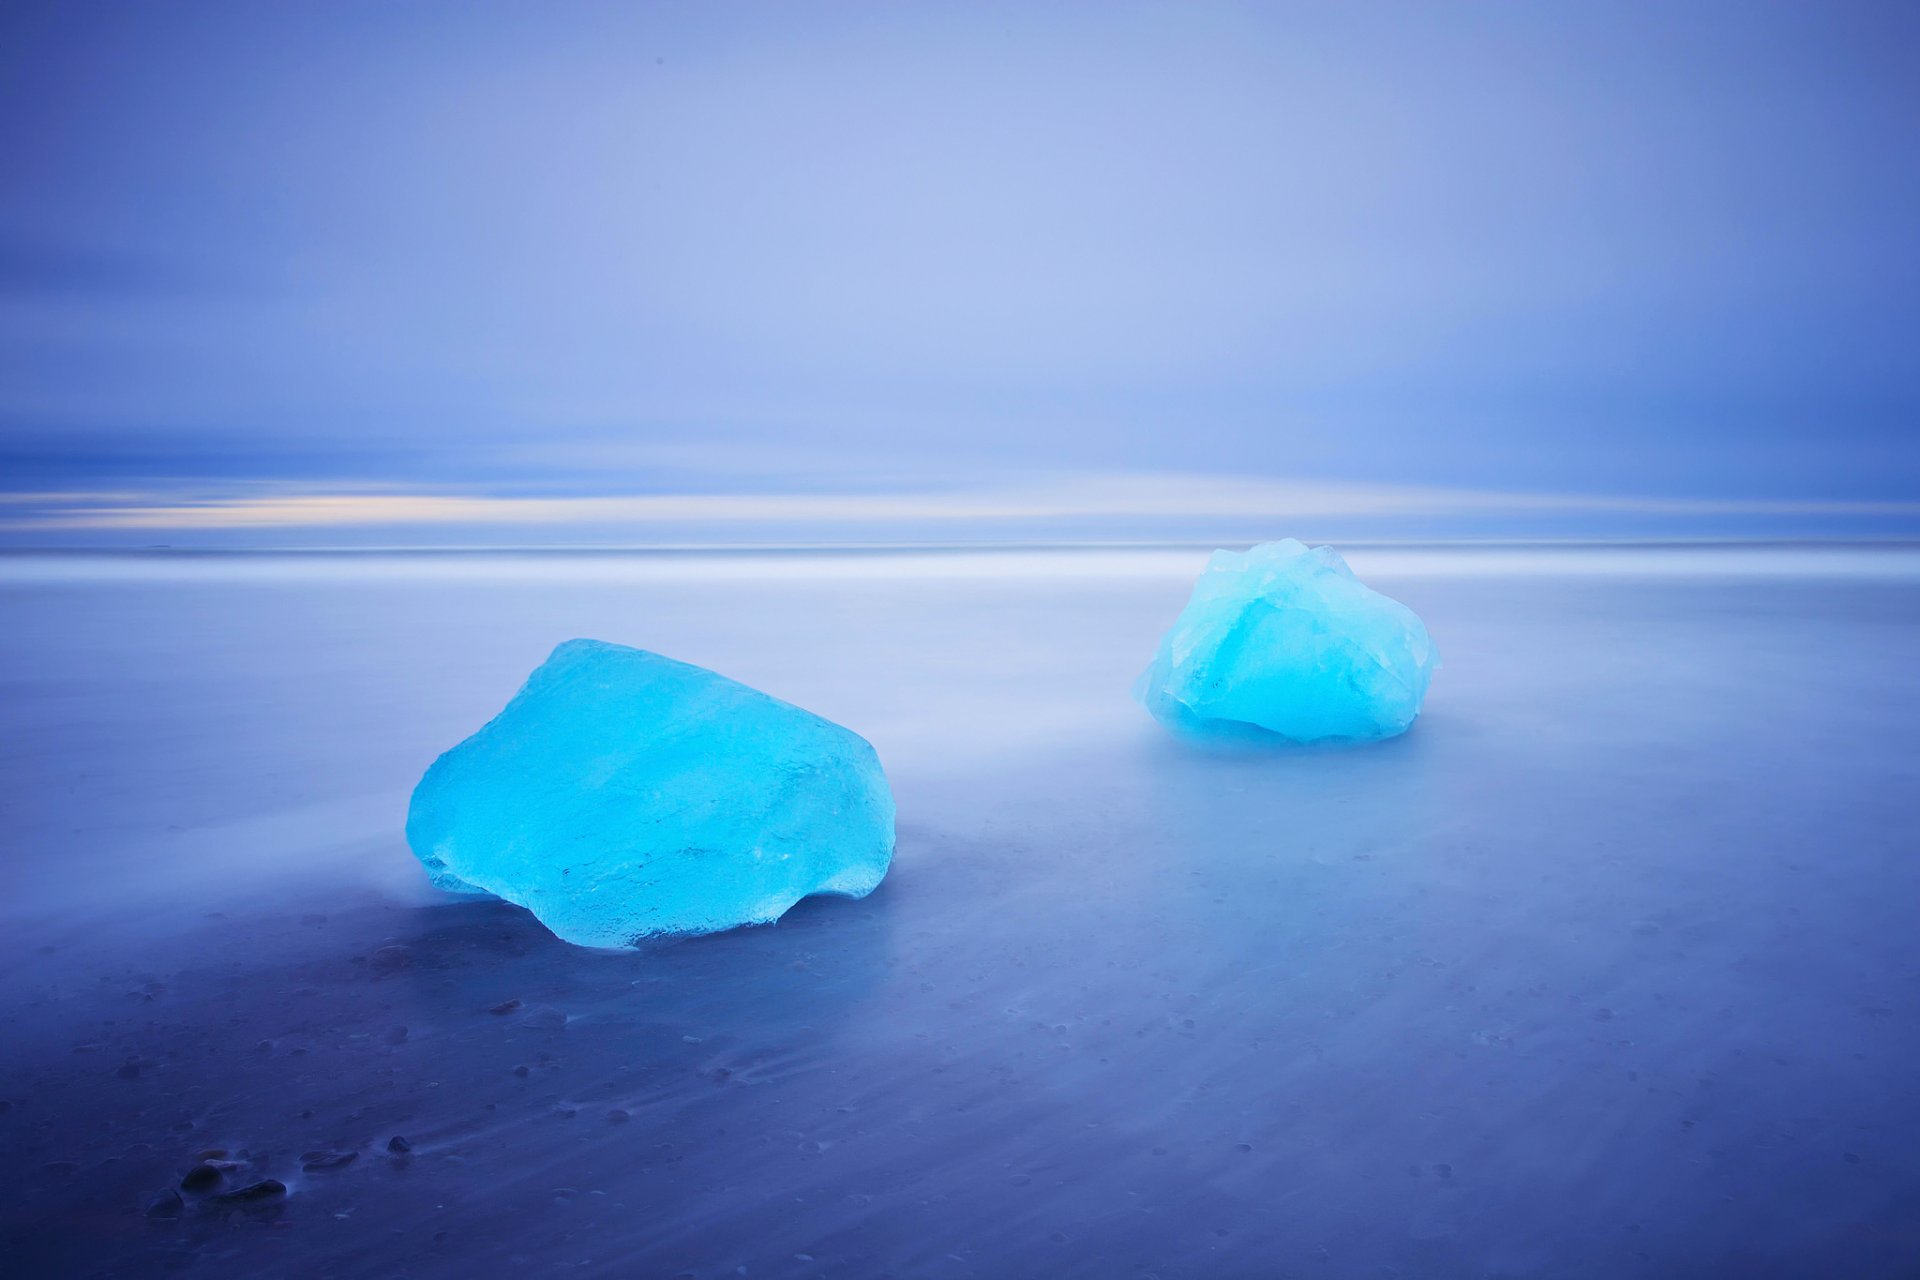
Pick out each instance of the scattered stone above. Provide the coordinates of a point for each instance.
(398, 1145)
(167, 1204)
(504, 1007)
(202, 1177)
(253, 1193)
(315, 1161)
(392, 958)
(619, 1115)
(397, 1036)
(522, 1070)
(61, 1168)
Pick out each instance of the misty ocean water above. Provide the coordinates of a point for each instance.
(1607, 968)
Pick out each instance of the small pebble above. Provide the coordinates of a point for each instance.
(265, 1189)
(202, 1177)
(314, 1161)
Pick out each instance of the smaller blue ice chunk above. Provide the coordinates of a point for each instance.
(622, 795)
(1284, 640)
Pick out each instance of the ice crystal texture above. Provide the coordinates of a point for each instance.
(622, 795)
(1283, 640)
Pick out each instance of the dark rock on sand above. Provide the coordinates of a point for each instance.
(254, 1193)
(202, 1177)
(314, 1161)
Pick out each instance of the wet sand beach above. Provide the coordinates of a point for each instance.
(1608, 968)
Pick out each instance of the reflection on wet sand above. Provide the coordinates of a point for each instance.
(1604, 969)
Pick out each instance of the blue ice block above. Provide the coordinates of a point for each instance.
(622, 795)
(1283, 640)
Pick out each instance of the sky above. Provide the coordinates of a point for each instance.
(314, 273)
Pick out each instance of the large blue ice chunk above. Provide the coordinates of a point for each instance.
(1284, 640)
(622, 795)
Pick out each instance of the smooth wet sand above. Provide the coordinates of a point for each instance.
(1608, 969)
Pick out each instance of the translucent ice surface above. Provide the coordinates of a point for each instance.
(623, 795)
(1284, 640)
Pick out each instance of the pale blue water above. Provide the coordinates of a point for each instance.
(1607, 968)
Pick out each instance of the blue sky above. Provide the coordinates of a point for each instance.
(302, 272)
